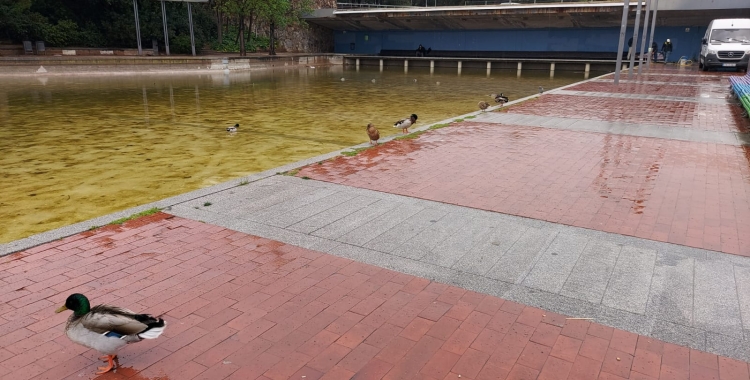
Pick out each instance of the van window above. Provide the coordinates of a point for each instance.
(730, 35)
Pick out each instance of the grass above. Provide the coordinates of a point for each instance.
(207, 204)
(150, 211)
(438, 126)
(305, 177)
(93, 228)
(291, 173)
(354, 152)
(410, 136)
(470, 117)
(244, 182)
(458, 120)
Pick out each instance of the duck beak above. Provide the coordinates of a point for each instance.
(61, 309)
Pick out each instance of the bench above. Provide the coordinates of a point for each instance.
(741, 87)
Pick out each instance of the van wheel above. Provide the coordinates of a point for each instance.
(704, 67)
(700, 64)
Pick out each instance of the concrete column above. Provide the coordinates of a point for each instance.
(190, 21)
(357, 63)
(164, 20)
(432, 66)
(635, 38)
(643, 38)
(520, 65)
(587, 71)
(138, 27)
(621, 44)
(653, 25)
(489, 67)
(406, 66)
(551, 69)
(459, 67)
(381, 65)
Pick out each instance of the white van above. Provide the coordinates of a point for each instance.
(726, 44)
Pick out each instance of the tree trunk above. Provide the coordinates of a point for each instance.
(272, 40)
(242, 35)
(219, 25)
(250, 28)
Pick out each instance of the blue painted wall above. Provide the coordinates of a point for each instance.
(686, 42)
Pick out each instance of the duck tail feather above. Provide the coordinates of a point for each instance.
(154, 329)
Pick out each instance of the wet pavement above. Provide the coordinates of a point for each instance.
(533, 243)
(243, 307)
(687, 193)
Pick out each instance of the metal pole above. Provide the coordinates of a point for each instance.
(137, 26)
(635, 39)
(164, 18)
(653, 27)
(190, 21)
(643, 39)
(623, 25)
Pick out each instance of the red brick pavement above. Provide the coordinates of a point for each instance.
(711, 117)
(687, 193)
(639, 88)
(684, 76)
(244, 307)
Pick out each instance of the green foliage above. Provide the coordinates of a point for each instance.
(230, 43)
(104, 23)
(150, 211)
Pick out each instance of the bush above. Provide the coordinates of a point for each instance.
(230, 42)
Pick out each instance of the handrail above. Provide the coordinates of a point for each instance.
(380, 4)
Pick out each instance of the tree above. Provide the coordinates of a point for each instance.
(243, 9)
(281, 13)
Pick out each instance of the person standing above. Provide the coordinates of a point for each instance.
(666, 49)
(654, 50)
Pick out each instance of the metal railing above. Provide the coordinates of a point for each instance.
(380, 4)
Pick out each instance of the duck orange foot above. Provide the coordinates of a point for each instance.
(110, 359)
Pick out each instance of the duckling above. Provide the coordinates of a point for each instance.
(500, 98)
(483, 106)
(233, 128)
(404, 124)
(373, 133)
(107, 328)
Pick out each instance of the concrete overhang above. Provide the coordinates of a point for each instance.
(509, 16)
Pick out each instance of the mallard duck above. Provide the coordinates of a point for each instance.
(373, 133)
(404, 124)
(500, 98)
(233, 128)
(483, 106)
(541, 90)
(107, 328)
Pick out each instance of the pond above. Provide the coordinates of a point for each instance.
(74, 148)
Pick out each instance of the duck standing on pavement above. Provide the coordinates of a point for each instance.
(404, 124)
(107, 328)
(373, 133)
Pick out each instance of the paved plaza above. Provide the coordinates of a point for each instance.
(596, 232)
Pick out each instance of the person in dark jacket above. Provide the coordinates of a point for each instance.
(666, 49)
(654, 50)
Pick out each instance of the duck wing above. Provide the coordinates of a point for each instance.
(102, 319)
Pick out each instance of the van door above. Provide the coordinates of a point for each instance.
(704, 42)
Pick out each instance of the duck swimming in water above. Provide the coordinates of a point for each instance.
(107, 328)
(233, 128)
(404, 124)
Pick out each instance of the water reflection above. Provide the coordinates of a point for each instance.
(74, 148)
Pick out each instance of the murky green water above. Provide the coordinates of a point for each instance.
(76, 148)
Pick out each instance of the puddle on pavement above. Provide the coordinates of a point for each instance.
(74, 148)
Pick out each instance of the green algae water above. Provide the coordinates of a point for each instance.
(76, 147)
